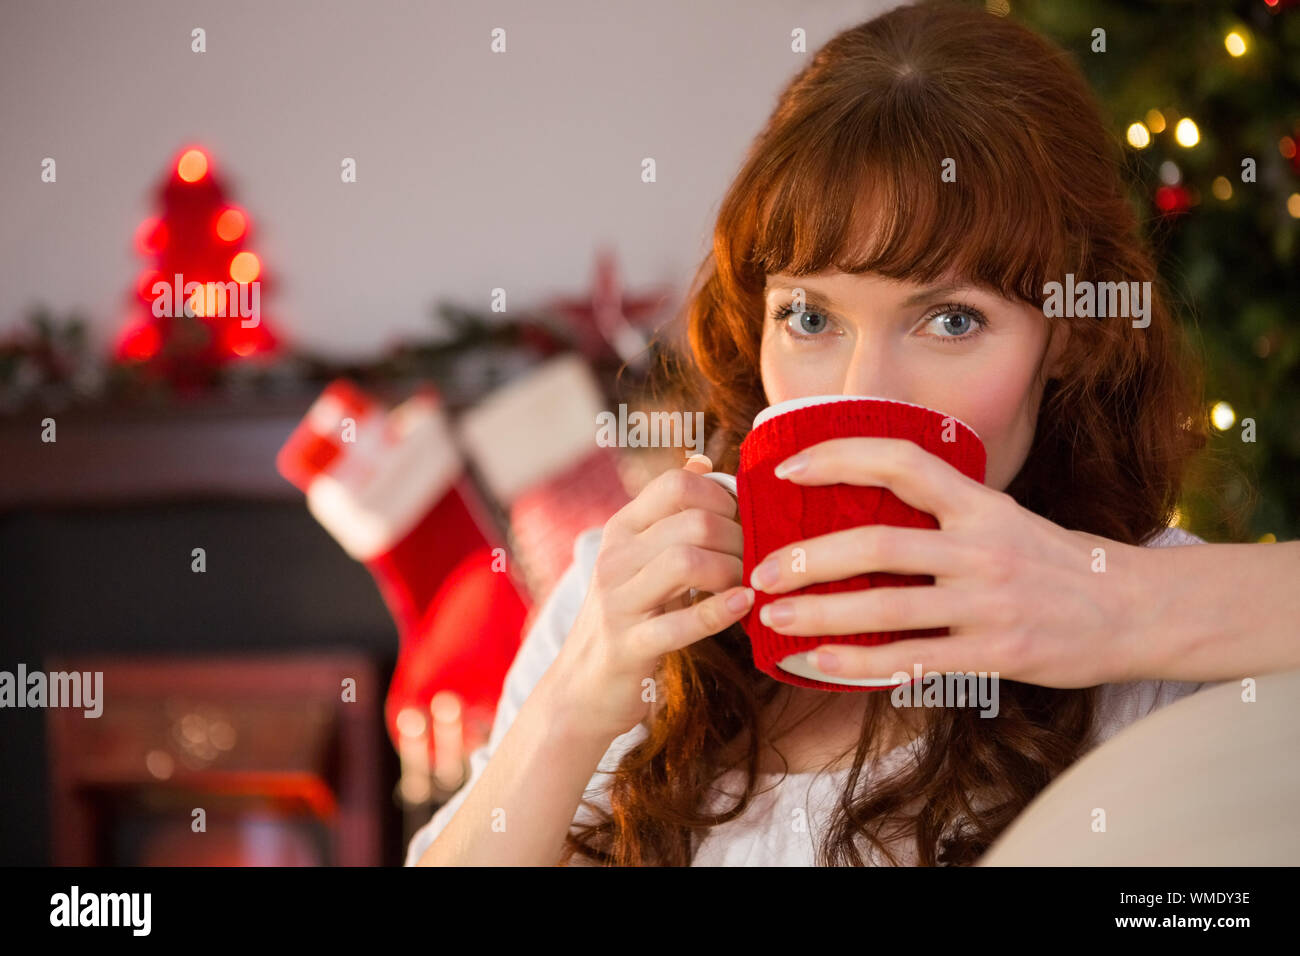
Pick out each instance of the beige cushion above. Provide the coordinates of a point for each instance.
(1209, 780)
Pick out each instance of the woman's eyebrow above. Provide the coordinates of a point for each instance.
(936, 292)
(821, 301)
(811, 296)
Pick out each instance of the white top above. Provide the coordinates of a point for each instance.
(772, 830)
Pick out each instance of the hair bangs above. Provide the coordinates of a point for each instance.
(883, 194)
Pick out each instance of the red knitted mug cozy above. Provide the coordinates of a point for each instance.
(776, 512)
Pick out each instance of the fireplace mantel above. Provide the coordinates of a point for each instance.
(114, 455)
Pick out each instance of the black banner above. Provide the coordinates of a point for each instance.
(123, 906)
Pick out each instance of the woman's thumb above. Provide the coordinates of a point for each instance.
(700, 464)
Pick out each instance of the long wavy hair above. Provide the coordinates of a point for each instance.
(846, 174)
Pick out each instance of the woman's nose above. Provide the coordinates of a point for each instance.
(872, 371)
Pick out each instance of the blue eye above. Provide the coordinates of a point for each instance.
(956, 322)
(964, 322)
(809, 324)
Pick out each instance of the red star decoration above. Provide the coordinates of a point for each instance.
(606, 322)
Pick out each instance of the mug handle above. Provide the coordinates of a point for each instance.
(727, 481)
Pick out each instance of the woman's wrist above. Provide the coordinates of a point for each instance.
(1210, 612)
(565, 722)
(1159, 627)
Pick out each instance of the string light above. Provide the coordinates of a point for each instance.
(1222, 188)
(230, 225)
(245, 267)
(1155, 121)
(144, 285)
(1222, 416)
(1236, 43)
(1293, 205)
(151, 236)
(192, 166)
(1186, 133)
(1138, 136)
(140, 342)
(208, 299)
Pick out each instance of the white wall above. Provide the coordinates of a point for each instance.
(475, 170)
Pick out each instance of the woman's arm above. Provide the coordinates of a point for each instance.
(520, 810)
(1209, 612)
(679, 532)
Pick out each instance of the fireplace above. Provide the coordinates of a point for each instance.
(98, 531)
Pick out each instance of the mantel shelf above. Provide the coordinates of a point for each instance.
(116, 455)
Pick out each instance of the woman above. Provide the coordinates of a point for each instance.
(891, 233)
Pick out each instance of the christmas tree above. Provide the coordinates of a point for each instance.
(1206, 100)
(197, 305)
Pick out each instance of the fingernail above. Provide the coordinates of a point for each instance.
(740, 601)
(777, 615)
(765, 575)
(700, 458)
(792, 465)
(824, 661)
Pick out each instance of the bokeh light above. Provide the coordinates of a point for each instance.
(231, 225)
(245, 267)
(193, 166)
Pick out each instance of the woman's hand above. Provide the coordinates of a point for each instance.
(679, 533)
(1021, 596)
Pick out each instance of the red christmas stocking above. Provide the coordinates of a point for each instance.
(467, 641)
(534, 444)
(392, 490)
